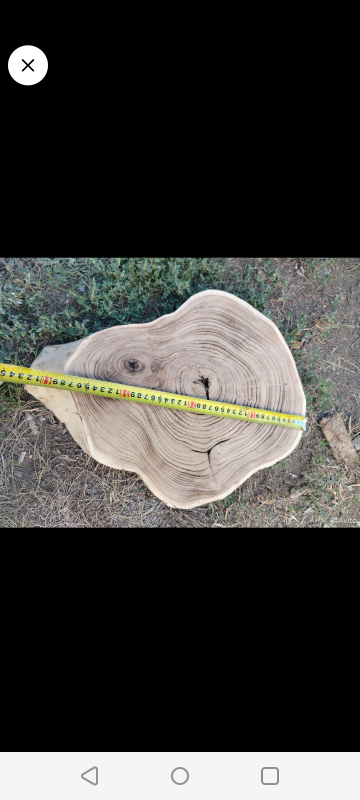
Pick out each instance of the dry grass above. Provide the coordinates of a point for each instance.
(47, 480)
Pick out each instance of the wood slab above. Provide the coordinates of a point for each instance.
(214, 345)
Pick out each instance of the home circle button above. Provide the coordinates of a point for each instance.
(180, 775)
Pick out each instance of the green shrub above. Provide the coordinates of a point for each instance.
(53, 301)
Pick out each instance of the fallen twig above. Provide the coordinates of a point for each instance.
(338, 366)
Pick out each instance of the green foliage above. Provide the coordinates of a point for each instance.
(10, 403)
(229, 500)
(53, 301)
(257, 283)
(319, 390)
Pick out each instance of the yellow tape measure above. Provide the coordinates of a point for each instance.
(152, 397)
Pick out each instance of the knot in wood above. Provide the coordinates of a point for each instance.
(133, 365)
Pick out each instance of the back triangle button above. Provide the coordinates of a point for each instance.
(94, 777)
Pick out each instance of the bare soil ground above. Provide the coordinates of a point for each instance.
(47, 481)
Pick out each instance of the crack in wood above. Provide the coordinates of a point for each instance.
(206, 383)
(211, 448)
(208, 454)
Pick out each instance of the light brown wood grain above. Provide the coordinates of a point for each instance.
(185, 459)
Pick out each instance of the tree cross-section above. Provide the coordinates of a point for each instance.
(214, 346)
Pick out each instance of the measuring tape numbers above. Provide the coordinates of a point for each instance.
(74, 383)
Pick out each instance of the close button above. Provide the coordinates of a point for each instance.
(28, 65)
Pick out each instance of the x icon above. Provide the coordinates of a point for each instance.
(27, 65)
